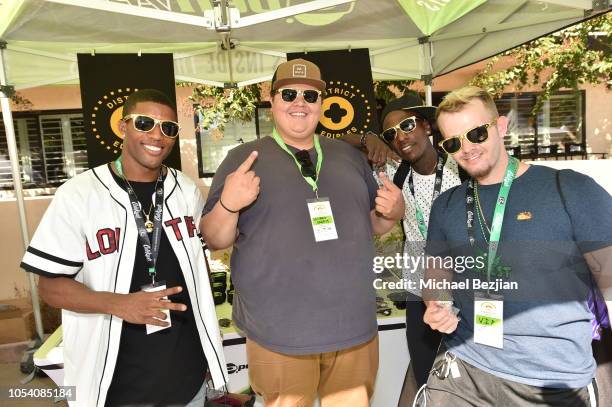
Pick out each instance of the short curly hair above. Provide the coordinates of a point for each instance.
(147, 95)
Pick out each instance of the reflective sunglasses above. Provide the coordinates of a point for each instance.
(476, 135)
(407, 126)
(308, 169)
(289, 95)
(146, 123)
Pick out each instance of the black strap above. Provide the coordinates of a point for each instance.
(463, 174)
(400, 175)
(470, 212)
(151, 250)
(594, 289)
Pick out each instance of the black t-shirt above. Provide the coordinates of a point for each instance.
(166, 367)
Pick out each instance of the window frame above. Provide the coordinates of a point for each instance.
(37, 115)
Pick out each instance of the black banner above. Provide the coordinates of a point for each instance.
(349, 105)
(106, 82)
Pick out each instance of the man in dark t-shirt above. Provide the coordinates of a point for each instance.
(543, 238)
(300, 211)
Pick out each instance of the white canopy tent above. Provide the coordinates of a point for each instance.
(217, 42)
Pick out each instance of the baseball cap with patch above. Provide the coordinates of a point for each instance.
(412, 102)
(297, 71)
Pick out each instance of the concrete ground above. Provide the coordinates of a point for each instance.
(11, 376)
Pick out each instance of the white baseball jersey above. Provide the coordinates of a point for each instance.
(88, 233)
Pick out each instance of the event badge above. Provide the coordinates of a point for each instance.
(489, 320)
(149, 288)
(322, 219)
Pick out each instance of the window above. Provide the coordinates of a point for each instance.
(52, 148)
(214, 145)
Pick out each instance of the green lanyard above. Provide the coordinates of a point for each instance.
(317, 145)
(500, 208)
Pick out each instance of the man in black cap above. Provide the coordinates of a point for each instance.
(423, 173)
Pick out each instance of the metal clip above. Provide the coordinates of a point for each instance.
(442, 369)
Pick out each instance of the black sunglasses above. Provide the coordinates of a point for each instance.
(407, 126)
(308, 169)
(289, 94)
(477, 135)
(146, 123)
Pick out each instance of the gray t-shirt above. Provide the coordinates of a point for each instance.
(294, 295)
(547, 329)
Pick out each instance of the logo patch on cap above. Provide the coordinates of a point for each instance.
(299, 71)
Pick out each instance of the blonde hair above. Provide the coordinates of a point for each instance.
(457, 99)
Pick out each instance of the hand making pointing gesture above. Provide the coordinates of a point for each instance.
(389, 199)
(241, 186)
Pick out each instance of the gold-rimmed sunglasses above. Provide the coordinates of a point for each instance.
(476, 135)
(145, 124)
(407, 126)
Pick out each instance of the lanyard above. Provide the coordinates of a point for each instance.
(498, 214)
(436, 192)
(150, 250)
(312, 182)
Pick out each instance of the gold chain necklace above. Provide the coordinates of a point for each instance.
(481, 216)
(149, 226)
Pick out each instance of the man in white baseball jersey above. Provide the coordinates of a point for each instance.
(118, 251)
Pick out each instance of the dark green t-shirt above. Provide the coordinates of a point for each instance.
(294, 295)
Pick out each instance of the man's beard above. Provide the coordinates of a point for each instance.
(479, 172)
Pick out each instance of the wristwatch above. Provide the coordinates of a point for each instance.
(362, 139)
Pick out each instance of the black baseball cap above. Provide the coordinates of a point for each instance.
(412, 102)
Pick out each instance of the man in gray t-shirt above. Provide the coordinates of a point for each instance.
(300, 211)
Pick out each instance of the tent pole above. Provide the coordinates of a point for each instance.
(428, 98)
(7, 118)
(427, 55)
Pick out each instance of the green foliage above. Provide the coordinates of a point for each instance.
(218, 106)
(389, 90)
(560, 60)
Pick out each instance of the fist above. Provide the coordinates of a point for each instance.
(241, 186)
(389, 199)
(440, 317)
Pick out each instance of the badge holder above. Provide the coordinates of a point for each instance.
(153, 287)
(322, 219)
(489, 319)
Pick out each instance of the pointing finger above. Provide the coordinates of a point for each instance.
(246, 165)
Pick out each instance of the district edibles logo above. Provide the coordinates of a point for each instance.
(345, 110)
(105, 118)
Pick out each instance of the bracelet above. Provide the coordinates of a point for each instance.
(362, 139)
(226, 208)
